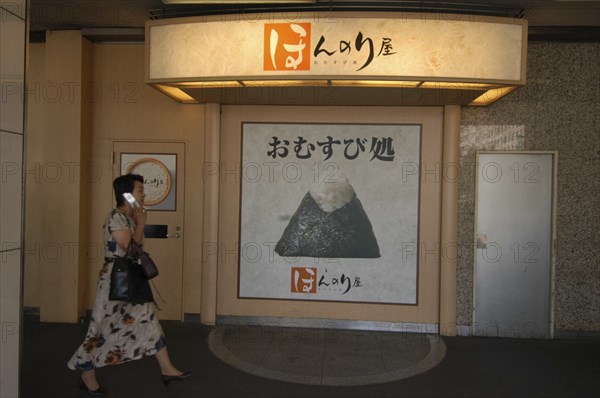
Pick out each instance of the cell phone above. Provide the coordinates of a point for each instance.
(131, 200)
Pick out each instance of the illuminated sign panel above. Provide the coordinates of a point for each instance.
(401, 48)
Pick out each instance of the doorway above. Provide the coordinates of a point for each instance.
(514, 244)
(162, 164)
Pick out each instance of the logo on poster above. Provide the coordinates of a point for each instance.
(287, 46)
(304, 280)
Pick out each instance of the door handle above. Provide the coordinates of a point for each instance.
(173, 235)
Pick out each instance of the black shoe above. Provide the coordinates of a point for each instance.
(167, 379)
(98, 392)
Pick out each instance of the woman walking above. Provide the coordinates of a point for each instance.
(120, 331)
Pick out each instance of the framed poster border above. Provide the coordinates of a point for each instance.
(418, 226)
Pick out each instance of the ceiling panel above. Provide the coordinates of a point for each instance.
(77, 14)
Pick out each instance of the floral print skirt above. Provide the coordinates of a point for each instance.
(119, 332)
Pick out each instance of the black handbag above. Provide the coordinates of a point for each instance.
(128, 283)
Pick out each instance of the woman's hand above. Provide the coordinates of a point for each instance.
(140, 216)
(123, 237)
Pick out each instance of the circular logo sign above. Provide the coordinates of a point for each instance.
(157, 179)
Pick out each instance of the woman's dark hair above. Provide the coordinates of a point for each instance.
(124, 184)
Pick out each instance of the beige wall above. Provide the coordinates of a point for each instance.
(35, 156)
(121, 107)
(128, 109)
(64, 132)
(60, 120)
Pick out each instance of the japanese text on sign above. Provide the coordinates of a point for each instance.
(345, 46)
(378, 148)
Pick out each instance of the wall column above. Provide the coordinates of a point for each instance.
(210, 232)
(448, 244)
(65, 137)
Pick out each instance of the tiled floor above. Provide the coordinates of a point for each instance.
(472, 367)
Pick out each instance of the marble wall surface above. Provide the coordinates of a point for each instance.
(558, 110)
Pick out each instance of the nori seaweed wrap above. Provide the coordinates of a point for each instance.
(343, 232)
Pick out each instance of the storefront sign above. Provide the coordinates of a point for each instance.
(401, 47)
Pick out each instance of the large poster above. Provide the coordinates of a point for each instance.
(330, 212)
